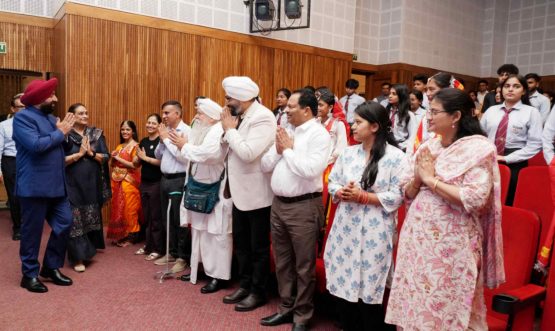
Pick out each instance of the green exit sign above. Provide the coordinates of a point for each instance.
(3, 47)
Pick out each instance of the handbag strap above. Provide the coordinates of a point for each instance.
(191, 175)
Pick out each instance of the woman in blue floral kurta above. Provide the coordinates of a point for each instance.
(359, 251)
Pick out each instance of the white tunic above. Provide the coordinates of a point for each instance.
(208, 164)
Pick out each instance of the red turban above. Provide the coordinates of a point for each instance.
(38, 91)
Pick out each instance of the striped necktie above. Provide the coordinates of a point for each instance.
(501, 134)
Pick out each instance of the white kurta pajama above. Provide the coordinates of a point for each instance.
(212, 242)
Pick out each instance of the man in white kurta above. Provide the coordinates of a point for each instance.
(212, 242)
(297, 213)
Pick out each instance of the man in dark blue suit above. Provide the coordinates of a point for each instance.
(40, 184)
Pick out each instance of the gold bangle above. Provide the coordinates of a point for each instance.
(435, 185)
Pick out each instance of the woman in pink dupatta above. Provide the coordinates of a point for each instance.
(450, 245)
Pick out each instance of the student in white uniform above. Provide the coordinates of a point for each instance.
(515, 128)
(537, 100)
(403, 121)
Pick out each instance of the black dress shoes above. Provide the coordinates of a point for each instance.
(56, 276)
(185, 278)
(236, 296)
(33, 285)
(213, 286)
(251, 302)
(16, 235)
(299, 327)
(277, 319)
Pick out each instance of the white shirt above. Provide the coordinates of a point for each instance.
(419, 114)
(281, 118)
(299, 170)
(541, 103)
(425, 101)
(524, 130)
(7, 145)
(548, 137)
(167, 153)
(404, 133)
(384, 102)
(338, 134)
(354, 101)
(480, 96)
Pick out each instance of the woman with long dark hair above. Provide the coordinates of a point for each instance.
(88, 187)
(126, 198)
(365, 183)
(515, 127)
(402, 119)
(450, 244)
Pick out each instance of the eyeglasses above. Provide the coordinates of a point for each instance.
(434, 112)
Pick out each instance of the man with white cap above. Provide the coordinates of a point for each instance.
(212, 243)
(41, 184)
(250, 130)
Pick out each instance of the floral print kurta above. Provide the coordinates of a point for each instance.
(442, 256)
(358, 254)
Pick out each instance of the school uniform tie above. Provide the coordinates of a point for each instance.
(501, 134)
(393, 111)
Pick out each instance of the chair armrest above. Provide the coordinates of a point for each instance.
(517, 299)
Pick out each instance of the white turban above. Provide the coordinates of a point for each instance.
(240, 88)
(210, 108)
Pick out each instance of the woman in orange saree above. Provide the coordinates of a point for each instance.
(126, 198)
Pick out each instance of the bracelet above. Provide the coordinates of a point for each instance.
(363, 197)
(435, 185)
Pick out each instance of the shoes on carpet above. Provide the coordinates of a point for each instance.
(251, 302)
(165, 259)
(213, 286)
(16, 235)
(179, 266)
(79, 267)
(152, 256)
(56, 276)
(33, 284)
(277, 319)
(235, 297)
(185, 278)
(299, 327)
(141, 251)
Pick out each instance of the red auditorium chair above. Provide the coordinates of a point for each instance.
(537, 160)
(548, 318)
(533, 192)
(512, 305)
(505, 173)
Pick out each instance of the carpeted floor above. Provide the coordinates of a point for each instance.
(118, 292)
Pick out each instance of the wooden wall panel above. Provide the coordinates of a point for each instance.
(122, 71)
(11, 85)
(29, 47)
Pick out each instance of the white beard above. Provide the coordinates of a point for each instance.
(199, 131)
